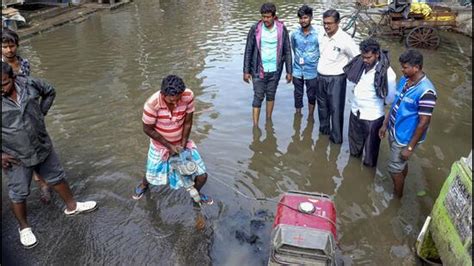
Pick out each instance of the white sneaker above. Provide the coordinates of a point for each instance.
(82, 207)
(27, 238)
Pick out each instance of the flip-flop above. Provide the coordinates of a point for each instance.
(206, 199)
(139, 191)
(27, 238)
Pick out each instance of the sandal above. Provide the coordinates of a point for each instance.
(139, 191)
(82, 207)
(27, 238)
(206, 199)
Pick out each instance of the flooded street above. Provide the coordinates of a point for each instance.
(107, 66)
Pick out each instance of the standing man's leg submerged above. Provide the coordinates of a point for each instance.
(397, 167)
(270, 89)
(311, 108)
(323, 105)
(372, 142)
(298, 92)
(269, 109)
(399, 182)
(357, 135)
(311, 88)
(337, 97)
(255, 115)
(258, 97)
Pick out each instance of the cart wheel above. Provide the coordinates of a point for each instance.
(423, 37)
(348, 24)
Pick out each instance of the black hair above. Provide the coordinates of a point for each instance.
(9, 35)
(305, 10)
(268, 8)
(412, 57)
(369, 45)
(7, 69)
(332, 13)
(172, 85)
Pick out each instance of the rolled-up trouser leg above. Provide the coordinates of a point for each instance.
(51, 169)
(271, 85)
(337, 97)
(19, 176)
(258, 92)
(19, 180)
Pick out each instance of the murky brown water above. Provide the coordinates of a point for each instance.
(106, 67)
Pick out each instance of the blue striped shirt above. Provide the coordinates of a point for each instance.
(426, 103)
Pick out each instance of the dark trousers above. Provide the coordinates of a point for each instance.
(331, 97)
(298, 93)
(264, 88)
(364, 136)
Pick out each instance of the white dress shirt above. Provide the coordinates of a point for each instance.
(336, 52)
(365, 99)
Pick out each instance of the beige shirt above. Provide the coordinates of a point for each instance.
(336, 52)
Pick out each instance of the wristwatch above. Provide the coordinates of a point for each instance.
(410, 148)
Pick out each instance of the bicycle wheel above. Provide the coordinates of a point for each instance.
(375, 30)
(348, 24)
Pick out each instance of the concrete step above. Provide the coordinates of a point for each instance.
(45, 19)
(45, 12)
(37, 26)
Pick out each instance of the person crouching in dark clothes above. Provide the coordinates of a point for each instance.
(27, 147)
(375, 85)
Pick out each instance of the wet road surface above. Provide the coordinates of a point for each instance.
(105, 68)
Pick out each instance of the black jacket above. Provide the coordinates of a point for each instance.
(355, 68)
(252, 56)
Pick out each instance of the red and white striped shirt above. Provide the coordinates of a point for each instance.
(168, 124)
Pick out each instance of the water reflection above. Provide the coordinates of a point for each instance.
(105, 68)
(265, 160)
(299, 154)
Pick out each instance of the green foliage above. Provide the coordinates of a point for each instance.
(429, 250)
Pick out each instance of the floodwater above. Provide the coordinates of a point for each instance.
(105, 68)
